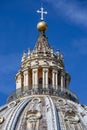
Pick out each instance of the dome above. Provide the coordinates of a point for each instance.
(43, 100)
(42, 26)
(43, 112)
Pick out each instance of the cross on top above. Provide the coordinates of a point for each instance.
(42, 12)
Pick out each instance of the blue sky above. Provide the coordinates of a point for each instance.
(67, 31)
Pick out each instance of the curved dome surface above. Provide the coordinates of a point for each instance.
(43, 112)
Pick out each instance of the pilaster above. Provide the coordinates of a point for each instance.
(62, 80)
(34, 78)
(26, 79)
(19, 81)
(45, 77)
(55, 79)
(67, 81)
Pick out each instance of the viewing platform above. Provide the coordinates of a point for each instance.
(38, 90)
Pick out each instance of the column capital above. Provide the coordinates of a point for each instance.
(55, 71)
(25, 69)
(35, 70)
(26, 72)
(45, 66)
(45, 69)
(20, 76)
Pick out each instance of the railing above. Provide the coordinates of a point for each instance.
(38, 90)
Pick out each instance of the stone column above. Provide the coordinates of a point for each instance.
(55, 79)
(26, 79)
(67, 81)
(45, 77)
(35, 78)
(19, 81)
(62, 81)
(51, 52)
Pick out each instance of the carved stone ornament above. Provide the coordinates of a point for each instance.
(11, 104)
(61, 102)
(36, 100)
(71, 117)
(33, 115)
(1, 119)
(32, 118)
